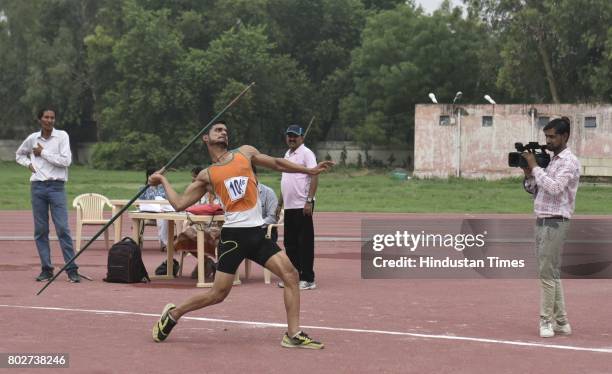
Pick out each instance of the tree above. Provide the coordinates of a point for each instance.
(553, 50)
(138, 82)
(238, 57)
(46, 64)
(15, 119)
(404, 55)
(319, 35)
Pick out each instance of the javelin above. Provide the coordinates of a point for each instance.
(143, 189)
(308, 128)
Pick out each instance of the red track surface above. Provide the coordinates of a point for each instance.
(106, 327)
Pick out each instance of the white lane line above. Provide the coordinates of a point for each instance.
(54, 238)
(282, 325)
(348, 239)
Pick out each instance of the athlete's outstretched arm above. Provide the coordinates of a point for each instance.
(282, 165)
(190, 196)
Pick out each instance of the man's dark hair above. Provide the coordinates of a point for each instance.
(561, 125)
(219, 122)
(196, 170)
(149, 172)
(46, 109)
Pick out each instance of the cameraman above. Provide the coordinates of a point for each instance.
(554, 190)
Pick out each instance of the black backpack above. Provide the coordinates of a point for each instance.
(125, 263)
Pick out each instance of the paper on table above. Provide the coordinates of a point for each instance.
(156, 208)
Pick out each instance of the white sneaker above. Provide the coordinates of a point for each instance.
(546, 329)
(307, 285)
(281, 284)
(563, 329)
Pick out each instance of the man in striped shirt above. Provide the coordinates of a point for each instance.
(554, 190)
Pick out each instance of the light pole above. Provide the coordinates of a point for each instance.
(533, 112)
(457, 96)
(458, 113)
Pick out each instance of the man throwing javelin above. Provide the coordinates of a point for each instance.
(242, 236)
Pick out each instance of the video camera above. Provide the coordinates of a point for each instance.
(515, 159)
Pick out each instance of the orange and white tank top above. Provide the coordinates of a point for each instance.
(234, 183)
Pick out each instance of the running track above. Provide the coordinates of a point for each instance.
(387, 326)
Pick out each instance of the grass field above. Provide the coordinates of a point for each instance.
(341, 190)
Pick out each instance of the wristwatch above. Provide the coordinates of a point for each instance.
(309, 199)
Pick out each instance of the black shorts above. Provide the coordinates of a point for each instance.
(238, 243)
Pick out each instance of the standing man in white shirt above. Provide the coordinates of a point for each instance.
(47, 154)
(298, 195)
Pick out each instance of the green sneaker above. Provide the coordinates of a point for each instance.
(301, 340)
(162, 328)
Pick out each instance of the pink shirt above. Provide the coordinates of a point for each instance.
(555, 187)
(295, 186)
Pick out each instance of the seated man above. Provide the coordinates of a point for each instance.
(269, 202)
(157, 193)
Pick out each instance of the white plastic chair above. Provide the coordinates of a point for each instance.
(90, 211)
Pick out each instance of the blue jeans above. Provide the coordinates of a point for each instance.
(50, 195)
